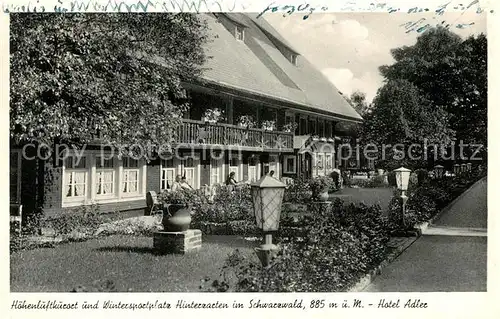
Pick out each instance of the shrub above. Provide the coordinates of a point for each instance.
(427, 199)
(319, 185)
(227, 205)
(335, 248)
(336, 179)
(33, 222)
(83, 219)
(422, 176)
(193, 197)
(374, 182)
(298, 192)
(391, 178)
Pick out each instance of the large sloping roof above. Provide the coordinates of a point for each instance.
(257, 66)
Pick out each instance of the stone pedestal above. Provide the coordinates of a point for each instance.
(177, 242)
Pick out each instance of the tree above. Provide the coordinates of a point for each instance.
(402, 115)
(451, 73)
(73, 75)
(358, 101)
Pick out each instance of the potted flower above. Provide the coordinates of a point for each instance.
(319, 187)
(246, 121)
(212, 116)
(269, 125)
(177, 210)
(290, 127)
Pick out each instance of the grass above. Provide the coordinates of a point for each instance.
(128, 261)
(367, 196)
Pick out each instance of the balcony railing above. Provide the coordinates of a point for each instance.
(193, 132)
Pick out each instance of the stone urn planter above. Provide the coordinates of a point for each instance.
(320, 187)
(177, 210)
(323, 196)
(176, 217)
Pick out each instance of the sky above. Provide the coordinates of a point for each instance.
(349, 47)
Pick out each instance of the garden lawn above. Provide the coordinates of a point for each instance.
(128, 261)
(368, 196)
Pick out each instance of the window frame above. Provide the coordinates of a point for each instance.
(91, 181)
(72, 170)
(329, 160)
(286, 168)
(124, 181)
(216, 170)
(99, 170)
(164, 169)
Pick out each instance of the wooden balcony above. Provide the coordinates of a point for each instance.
(225, 136)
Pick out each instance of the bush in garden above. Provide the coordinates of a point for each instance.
(336, 179)
(391, 178)
(374, 182)
(298, 192)
(33, 222)
(319, 185)
(335, 249)
(422, 176)
(428, 198)
(194, 197)
(228, 205)
(83, 219)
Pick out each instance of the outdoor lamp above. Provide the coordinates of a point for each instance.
(402, 178)
(469, 167)
(267, 197)
(456, 169)
(439, 170)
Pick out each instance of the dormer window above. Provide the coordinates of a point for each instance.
(239, 33)
(293, 59)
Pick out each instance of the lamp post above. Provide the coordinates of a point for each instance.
(439, 170)
(402, 178)
(456, 169)
(267, 197)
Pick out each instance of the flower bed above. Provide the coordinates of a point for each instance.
(374, 182)
(332, 250)
(428, 197)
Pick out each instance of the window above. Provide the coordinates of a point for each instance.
(187, 169)
(15, 177)
(130, 177)
(105, 176)
(320, 161)
(329, 161)
(216, 171)
(293, 58)
(240, 33)
(234, 162)
(252, 169)
(75, 177)
(289, 164)
(167, 174)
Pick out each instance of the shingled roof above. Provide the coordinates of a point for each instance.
(256, 65)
